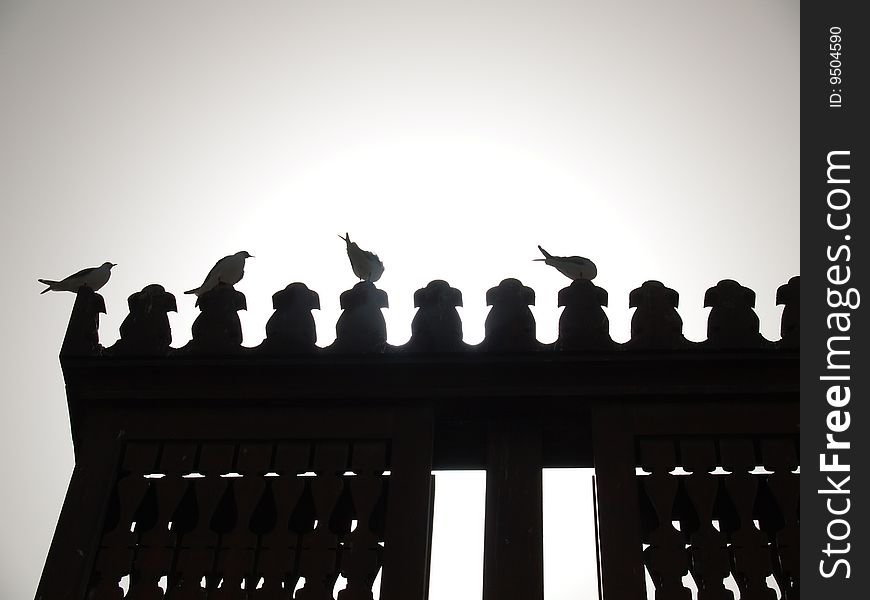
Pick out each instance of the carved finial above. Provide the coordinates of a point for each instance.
(146, 331)
(437, 326)
(789, 294)
(82, 334)
(361, 328)
(291, 329)
(510, 325)
(732, 322)
(583, 324)
(217, 330)
(656, 324)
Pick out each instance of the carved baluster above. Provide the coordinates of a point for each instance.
(150, 565)
(191, 567)
(708, 552)
(252, 464)
(780, 456)
(111, 565)
(279, 554)
(362, 555)
(222, 522)
(139, 459)
(666, 558)
(176, 461)
(271, 564)
(235, 556)
(233, 566)
(275, 557)
(750, 554)
(319, 558)
(214, 460)
(193, 518)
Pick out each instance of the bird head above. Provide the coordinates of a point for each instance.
(108, 265)
(244, 254)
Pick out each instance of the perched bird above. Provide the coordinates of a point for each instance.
(93, 277)
(365, 265)
(572, 267)
(229, 270)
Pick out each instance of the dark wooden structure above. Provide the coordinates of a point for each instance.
(225, 472)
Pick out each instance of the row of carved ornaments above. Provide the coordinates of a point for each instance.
(437, 326)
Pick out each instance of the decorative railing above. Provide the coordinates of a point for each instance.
(289, 471)
(246, 513)
(437, 327)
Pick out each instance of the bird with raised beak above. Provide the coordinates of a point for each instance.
(92, 277)
(228, 270)
(366, 265)
(572, 267)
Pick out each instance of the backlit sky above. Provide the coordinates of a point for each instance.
(660, 139)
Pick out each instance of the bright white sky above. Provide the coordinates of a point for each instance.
(659, 139)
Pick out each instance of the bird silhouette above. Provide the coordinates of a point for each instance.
(572, 267)
(229, 270)
(366, 265)
(92, 277)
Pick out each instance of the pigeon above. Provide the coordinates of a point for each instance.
(572, 267)
(365, 265)
(229, 270)
(93, 277)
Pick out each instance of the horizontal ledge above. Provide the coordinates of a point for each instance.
(452, 377)
(694, 354)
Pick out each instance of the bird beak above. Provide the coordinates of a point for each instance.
(114, 264)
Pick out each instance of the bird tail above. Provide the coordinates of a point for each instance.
(47, 282)
(346, 237)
